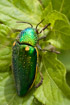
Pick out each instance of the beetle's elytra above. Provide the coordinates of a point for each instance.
(24, 59)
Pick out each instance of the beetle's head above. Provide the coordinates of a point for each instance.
(36, 29)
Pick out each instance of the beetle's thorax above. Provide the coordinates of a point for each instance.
(28, 36)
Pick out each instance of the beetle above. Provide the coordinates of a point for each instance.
(24, 58)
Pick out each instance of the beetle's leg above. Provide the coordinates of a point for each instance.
(42, 37)
(40, 81)
(50, 49)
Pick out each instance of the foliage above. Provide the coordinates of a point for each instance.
(54, 90)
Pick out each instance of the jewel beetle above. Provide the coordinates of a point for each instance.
(24, 58)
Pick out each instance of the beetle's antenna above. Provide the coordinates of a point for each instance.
(39, 23)
(25, 22)
(45, 27)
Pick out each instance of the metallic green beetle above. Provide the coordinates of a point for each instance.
(24, 58)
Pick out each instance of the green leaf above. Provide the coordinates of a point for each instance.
(12, 11)
(60, 29)
(5, 58)
(5, 49)
(60, 35)
(54, 89)
(53, 16)
(36, 102)
(62, 6)
(8, 95)
(64, 57)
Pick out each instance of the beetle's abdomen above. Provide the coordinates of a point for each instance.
(24, 59)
